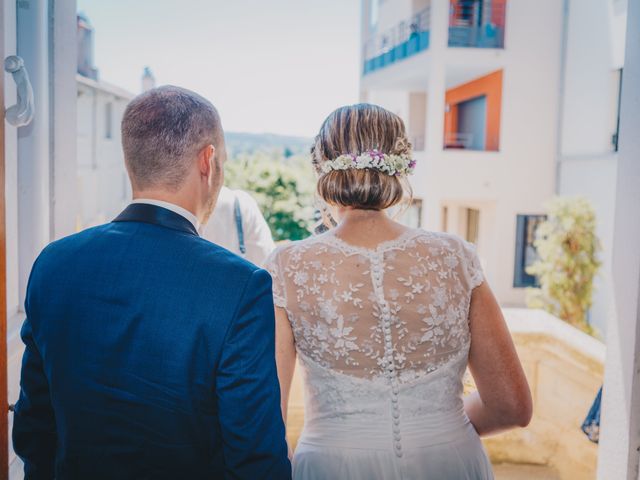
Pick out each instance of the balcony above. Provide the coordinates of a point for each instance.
(407, 38)
(472, 114)
(477, 23)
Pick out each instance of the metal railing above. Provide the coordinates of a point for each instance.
(458, 140)
(397, 43)
(477, 23)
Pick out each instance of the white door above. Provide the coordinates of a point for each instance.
(4, 418)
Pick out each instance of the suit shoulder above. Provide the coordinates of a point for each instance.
(72, 242)
(216, 256)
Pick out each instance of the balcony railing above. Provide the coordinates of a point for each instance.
(458, 140)
(477, 23)
(397, 43)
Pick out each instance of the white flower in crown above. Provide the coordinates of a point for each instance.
(399, 165)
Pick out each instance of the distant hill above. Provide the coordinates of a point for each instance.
(239, 143)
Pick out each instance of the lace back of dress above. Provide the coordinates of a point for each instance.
(400, 310)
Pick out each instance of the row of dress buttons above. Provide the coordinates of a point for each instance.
(396, 419)
(395, 408)
(377, 271)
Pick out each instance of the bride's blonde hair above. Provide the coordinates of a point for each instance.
(356, 129)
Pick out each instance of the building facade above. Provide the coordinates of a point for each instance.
(102, 181)
(103, 185)
(492, 93)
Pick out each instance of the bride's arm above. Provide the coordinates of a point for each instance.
(503, 399)
(285, 357)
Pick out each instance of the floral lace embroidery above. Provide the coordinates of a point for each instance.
(398, 311)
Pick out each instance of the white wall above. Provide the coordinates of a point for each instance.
(588, 163)
(620, 436)
(103, 185)
(396, 101)
(518, 178)
(594, 178)
(392, 12)
(589, 94)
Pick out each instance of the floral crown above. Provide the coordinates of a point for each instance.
(394, 165)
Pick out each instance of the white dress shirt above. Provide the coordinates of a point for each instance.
(221, 228)
(174, 208)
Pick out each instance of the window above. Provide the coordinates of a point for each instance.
(526, 254)
(615, 138)
(471, 128)
(417, 120)
(373, 18)
(472, 225)
(418, 5)
(472, 114)
(477, 23)
(445, 219)
(108, 120)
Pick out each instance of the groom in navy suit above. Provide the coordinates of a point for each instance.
(150, 351)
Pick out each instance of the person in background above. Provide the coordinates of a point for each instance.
(238, 225)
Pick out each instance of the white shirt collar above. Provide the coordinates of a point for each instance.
(174, 208)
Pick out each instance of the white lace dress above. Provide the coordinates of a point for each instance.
(383, 339)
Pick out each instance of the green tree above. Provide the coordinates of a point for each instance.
(283, 188)
(568, 249)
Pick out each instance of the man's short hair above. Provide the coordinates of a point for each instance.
(162, 130)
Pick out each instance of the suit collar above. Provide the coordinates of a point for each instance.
(173, 207)
(155, 215)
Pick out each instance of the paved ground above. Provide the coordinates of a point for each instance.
(507, 471)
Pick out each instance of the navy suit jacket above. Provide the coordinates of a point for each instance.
(149, 355)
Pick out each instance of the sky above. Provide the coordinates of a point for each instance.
(277, 66)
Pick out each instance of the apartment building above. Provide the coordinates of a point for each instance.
(483, 88)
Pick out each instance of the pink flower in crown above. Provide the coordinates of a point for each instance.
(376, 154)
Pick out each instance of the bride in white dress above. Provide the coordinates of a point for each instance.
(385, 320)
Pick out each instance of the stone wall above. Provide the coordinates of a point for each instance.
(564, 367)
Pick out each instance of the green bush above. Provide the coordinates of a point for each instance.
(568, 248)
(283, 188)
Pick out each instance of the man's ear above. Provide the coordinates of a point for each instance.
(205, 157)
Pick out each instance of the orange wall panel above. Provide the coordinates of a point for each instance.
(490, 86)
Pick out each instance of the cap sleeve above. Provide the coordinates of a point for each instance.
(471, 265)
(272, 265)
